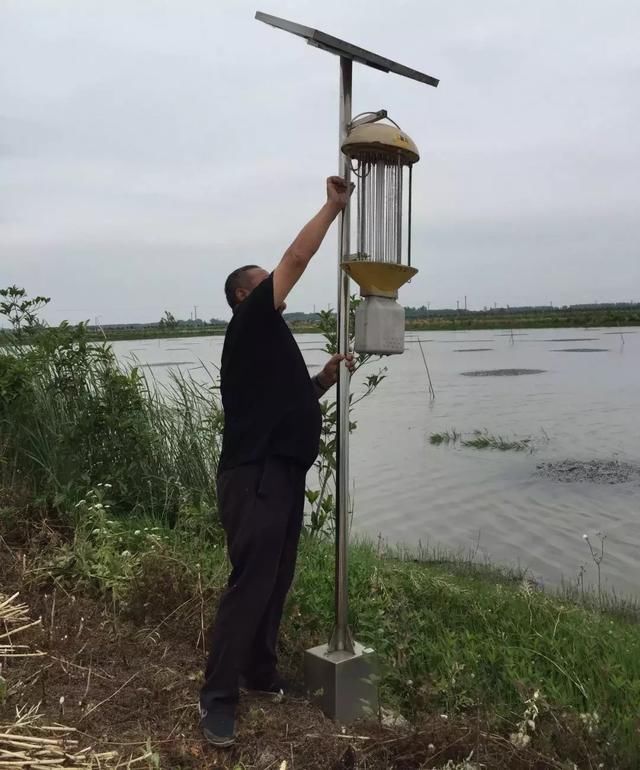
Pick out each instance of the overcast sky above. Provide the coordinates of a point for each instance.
(147, 148)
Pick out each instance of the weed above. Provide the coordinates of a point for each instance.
(597, 555)
(321, 501)
(482, 439)
(527, 726)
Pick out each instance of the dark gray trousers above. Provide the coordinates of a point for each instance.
(261, 509)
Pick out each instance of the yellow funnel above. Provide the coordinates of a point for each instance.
(378, 279)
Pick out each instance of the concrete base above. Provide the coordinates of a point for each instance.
(343, 684)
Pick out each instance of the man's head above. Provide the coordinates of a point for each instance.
(242, 282)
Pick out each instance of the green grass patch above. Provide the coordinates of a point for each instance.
(452, 637)
(482, 439)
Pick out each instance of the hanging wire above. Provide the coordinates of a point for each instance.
(356, 170)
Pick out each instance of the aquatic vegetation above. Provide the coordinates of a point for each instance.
(482, 439)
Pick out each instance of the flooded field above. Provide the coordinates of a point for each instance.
(580, 404)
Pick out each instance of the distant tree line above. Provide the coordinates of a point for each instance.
(428, 312)
(424, 312)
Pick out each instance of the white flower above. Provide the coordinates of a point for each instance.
(108, 486)
(137, 532)
(519, 739)
(125, 554)
(444, 716)
(82, 502)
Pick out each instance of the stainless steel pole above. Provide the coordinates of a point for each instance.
(341, 638)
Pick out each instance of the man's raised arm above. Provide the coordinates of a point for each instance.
(308, 241)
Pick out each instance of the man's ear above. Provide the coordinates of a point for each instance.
(241, 294)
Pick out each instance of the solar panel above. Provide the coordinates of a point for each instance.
(339, 47)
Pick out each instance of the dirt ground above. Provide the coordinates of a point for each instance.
(121, 682)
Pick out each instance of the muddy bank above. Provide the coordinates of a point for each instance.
(595, 471)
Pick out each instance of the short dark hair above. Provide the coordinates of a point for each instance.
(236, 280)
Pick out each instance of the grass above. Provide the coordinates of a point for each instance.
(452, 640)
(69, 415)
(453, 637)
(482, 439)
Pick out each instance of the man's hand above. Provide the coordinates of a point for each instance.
(338, 191)
(328, 376)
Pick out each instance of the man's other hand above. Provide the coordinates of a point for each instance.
(329, 374)
(338, 191)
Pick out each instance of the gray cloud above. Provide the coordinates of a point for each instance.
(148, 148)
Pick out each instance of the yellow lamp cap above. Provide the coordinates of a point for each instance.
(370, 138)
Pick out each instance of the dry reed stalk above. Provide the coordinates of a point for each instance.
(15, 620)
(58, 749)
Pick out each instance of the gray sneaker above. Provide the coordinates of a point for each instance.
(218, 724)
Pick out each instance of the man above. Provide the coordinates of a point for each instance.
(271, 439)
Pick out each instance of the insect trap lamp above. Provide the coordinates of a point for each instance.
(382, 158)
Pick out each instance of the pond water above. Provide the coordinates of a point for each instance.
(582, 404)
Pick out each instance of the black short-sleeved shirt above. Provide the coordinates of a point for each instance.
(270, 405)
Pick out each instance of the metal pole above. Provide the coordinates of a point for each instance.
(341, 638)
